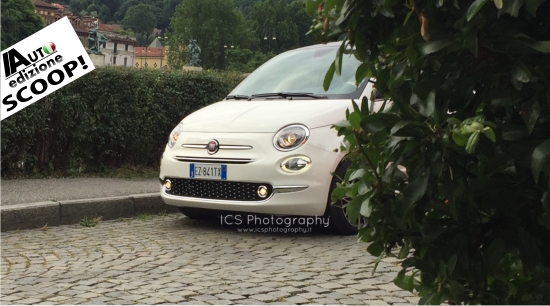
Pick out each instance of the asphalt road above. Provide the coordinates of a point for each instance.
(38, 190)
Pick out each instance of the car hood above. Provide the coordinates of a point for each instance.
(265, 116)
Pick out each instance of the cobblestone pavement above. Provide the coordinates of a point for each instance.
(174, 260)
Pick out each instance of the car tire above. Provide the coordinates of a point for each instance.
(338, 220)
(195, 213)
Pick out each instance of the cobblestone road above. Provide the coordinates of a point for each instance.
(174, 260)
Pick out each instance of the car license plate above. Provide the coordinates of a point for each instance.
(211, 171)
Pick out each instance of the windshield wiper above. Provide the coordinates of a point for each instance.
(290, 95)
(237, 97)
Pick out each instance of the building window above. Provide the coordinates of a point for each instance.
(125, 47)
(104, 44)
(115, 47)
(125, 61)
(114, 60)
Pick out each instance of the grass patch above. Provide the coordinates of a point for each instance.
(144, 217)
(90, 221)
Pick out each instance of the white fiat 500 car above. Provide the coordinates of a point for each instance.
(268, 147)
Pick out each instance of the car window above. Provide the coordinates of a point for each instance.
(303, 70)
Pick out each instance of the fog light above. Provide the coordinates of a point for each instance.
(296, 164)
(167, 184)
(262, 191)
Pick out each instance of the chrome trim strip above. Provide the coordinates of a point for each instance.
(226, 147)
(235, 147)
(276, 189)
(287, 189)
(214, 160)
(194, 146)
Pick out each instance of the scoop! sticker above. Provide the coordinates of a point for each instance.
(41, 64)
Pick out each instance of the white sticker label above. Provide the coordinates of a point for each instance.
(41, 64)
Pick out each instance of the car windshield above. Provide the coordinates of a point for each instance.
(303, 71)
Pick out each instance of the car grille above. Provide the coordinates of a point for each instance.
(219, 190)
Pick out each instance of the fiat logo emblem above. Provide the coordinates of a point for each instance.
(212, 147)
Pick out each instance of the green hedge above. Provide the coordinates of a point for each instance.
(108, 118)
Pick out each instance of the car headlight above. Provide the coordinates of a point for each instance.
(290, 137)
(174, 135)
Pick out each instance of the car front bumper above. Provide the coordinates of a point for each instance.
(303, 193)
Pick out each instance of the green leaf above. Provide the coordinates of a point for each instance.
(357, 174)
(533, 5)
(338, 193)
(489, 133)
(495, 252)
(451, 264)
(342, 123)
(355, 120)
(329, 75)
(329, 4)
(404, 252)
(541, 46)
(363, 188)
(474, 8)
(530, 112)
(361, 73)
(338, 60)
(459, 138)
(454, 121)
(430, 104)
(521, 73)
(472, 142)
(540, 158)
(366, 207)
(353, 208)
(378, 121)
(405, 282)
(312, 5)
(433, 46)
(361, 48)
(498, 4)
(376, 248)
(416, 189)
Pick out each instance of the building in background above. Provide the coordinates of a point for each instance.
(153, 56)
(49, 12)
(119, 49)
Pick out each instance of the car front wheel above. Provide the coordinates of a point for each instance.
(339, 222)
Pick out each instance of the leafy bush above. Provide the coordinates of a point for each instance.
(110, 117)
(469, 119)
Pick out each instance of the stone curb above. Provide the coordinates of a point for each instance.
(38, 214)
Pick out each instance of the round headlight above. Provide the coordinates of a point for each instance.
(290, 137)
(174, 135)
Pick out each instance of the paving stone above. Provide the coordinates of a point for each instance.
(297, 300)
(174, 260)
(351, 302)
(310, 295)
(88, 295)
(326, 301)
(331, 285)
(290, 289)
(375, 302)
(152, 301)
(27, 301)
(347, 291)
(264, 297)
(315, 289)
(363, 287)
(231, 297)
(392, 299)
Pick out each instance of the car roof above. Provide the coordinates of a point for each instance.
(330, 45)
